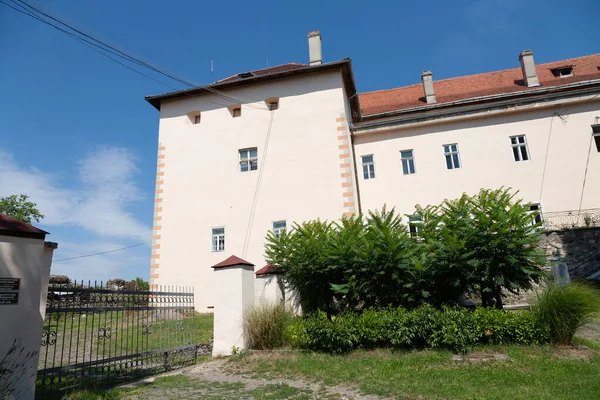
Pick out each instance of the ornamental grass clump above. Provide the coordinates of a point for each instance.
(265, 324)
(565, 308)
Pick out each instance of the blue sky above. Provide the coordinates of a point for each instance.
(78, 137)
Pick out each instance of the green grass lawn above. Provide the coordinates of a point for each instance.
(530, 373)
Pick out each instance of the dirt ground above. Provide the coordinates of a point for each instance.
(217, 380)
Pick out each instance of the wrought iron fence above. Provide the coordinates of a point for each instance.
(572, 219)
(96, 335)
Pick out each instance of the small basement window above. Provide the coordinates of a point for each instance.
(415, 225)
(563, 72)
(536, 211)
(596, 136)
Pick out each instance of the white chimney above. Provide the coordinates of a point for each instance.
(314, 48)
(528, 68)
(427, 79)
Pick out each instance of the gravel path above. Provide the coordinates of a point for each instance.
(215, 380)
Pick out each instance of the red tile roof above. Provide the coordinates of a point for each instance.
(268, 269)
(231, 261)
(265, 71)
(485, 84)
(9, 225)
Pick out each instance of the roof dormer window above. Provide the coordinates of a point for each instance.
(563, 72)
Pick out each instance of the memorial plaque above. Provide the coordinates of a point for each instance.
(9, 284)
(9, 298)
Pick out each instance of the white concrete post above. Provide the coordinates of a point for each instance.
(24, 272)
(234, 293)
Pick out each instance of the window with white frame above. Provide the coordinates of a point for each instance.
(279, 227)
(248, 159)
(368, 167)
(536, 211)
(519, 147)
(218, 239)
(408, 162)
(452, 157)
(415, 225)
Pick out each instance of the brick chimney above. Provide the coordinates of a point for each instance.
(314, 48)
(427, 79)
(528, 68)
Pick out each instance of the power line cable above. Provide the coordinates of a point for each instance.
(87, 43)
(124, 54)
(103, 252)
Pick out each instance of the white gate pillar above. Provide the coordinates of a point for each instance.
(234, 293)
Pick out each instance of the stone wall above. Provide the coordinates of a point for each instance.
(579, 247)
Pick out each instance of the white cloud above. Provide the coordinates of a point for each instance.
(101, 202)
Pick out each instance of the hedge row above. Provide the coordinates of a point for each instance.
(424, 327)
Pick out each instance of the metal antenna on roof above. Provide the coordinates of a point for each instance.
(267, 62)
(212, 71)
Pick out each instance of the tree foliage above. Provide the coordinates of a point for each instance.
(475, 245)
(19, 207)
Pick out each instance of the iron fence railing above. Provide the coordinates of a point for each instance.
(95, 336)
(572, 219)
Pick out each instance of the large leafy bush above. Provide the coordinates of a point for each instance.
(476, 245)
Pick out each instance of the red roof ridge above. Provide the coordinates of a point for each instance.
(484, 73)
(264, 69)
(389, 90)
(491, 83)
(231, 261)
(267, 270)
(12, 225)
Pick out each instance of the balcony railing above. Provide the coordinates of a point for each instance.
(572, 219)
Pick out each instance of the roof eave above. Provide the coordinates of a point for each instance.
(156, 100)
(375, 118)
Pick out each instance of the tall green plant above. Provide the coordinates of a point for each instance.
(385, 276)
(565, 308)
(506, 244)
(447, 259)
(487, 243)
(302, 254)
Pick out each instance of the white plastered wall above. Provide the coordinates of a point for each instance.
(202, 186)
(487, 159)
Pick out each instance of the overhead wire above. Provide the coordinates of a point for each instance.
(102, 252)
(88, 44)
(135, 59)
(102, 44)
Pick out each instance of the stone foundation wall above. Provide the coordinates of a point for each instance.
(579, 247)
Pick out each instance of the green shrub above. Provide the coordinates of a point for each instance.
(505, 327)
(331, 336)
(264, 326)
(564, 308)
(424, 327)
(295, 333)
